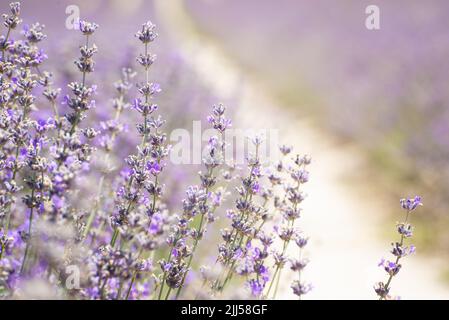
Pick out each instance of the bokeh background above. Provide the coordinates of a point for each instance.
(370, 106)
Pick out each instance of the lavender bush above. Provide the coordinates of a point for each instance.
(127, 241)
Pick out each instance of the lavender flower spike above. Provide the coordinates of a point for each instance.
(398, 250)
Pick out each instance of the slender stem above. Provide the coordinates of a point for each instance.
(114, 237)
(165, 272)
(58, 120)
(4, 43)
(22, 268)
(195, 244)
(131, 285)
(299, 272)
(119, 293)
(84, 72)
(277, 284)
(103, 287)
(92, 215)
(168, 293)
(162, 285)
(133, 278)
(272, 281)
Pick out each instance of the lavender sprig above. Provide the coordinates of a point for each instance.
(111, 128)
(19, 82)
(36, 182)
(10, 21)
(70, 152)
(212, 162)
(140, 216)
(244, 218)
(399, 250)
(141, 170)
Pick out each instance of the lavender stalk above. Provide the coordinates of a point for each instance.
(399, 250)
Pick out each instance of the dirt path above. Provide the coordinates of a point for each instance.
(343, 221)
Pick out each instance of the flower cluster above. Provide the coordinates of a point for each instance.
(263, 220)
(398, 249)
(23, 137)
(40, 157)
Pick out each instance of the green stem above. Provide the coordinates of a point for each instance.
(119, 293)
(131, 285)
(4, 43)
(277, 284)
(92, 215)
(195, 244)
(272, 281)
(114, 237)
(168, 293)
(22, 268)
(133, 277)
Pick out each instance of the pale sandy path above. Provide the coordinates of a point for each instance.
(343, 221)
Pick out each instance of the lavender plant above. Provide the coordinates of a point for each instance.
(248, 249)
(399, 249)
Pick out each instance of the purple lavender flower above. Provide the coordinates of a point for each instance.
(411, 204)
(147, 34)
(300, 289)
(87, 28)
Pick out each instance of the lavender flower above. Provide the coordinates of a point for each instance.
(87, 28)
(411, 204)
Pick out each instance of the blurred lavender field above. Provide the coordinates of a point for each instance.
(384, 89)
